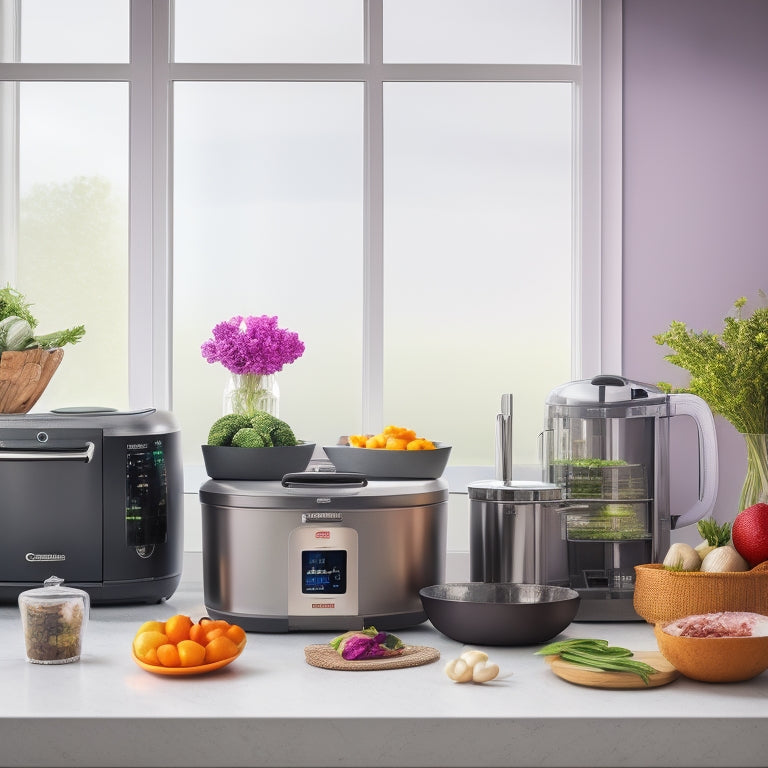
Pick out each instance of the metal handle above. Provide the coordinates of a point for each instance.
(504, 440)
(692, 405)
(324, 480)
(81, 454)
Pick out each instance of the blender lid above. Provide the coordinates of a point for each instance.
(605, 390)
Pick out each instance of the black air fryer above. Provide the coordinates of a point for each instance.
(95, 497)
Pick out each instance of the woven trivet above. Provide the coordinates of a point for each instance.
(412, 656)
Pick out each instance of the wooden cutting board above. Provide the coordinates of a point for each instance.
(598, 678)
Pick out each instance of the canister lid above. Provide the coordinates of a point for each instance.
(53, 591)
(515, 492)
(374, 494)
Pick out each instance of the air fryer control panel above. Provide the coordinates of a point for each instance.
(322, 565)
(146, 495)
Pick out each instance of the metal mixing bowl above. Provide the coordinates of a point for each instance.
(479, 613)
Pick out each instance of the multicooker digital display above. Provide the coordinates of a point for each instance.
(324, 572)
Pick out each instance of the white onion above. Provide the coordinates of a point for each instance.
(682, 557)
(724, 559)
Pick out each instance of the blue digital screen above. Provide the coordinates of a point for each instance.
(324, 572)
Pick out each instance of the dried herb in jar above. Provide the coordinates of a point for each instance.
(53, 630)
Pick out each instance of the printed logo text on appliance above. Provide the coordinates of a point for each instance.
(34, 557)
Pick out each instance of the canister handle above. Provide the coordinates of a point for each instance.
(324, 480)
(685, 404)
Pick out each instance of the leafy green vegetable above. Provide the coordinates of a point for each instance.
(611, 522)
(715, 535)
(728, 370)
(13, 304)
(592, 463)
(60, 338)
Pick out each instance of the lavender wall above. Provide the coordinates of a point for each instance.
(695, 192)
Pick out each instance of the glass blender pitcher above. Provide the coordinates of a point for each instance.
(606, 443)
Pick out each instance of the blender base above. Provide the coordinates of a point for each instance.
(592, 608)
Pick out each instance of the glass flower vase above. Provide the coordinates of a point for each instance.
(755, 488)
(248, 392)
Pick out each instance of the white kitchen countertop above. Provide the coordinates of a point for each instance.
(270, 708)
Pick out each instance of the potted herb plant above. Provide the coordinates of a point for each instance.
(729, 371)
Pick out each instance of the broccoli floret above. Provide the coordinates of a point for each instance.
(223, 430)
(282, 434)
(274, 430)
(249, 438)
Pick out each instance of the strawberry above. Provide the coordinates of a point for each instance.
(749, 533)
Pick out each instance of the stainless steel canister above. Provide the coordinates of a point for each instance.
(515, 532)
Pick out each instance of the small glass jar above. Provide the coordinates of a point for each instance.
(248, 392)
(54, 618)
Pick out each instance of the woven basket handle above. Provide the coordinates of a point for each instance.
(760, 567)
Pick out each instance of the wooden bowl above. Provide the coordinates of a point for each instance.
(714, 659)
(24, 377)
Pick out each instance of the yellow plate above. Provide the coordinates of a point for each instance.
(201, 670)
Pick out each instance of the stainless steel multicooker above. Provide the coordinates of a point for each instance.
(606, 443)
(322, 550)
(93, 496)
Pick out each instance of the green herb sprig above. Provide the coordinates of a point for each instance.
(729, 371)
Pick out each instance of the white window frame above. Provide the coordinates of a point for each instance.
(151, 73)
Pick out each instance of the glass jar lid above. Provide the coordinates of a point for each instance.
(52, 590)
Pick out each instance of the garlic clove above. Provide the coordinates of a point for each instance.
(459, 671)
(482, 672)
(472, 657)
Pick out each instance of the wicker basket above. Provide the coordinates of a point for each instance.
(24, 377)
(662, 595)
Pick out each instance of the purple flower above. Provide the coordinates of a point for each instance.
(252, 345)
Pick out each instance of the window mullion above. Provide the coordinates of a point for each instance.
(373, 229)
(149, 359)
(9, 146)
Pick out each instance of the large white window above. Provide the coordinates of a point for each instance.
(414, 186)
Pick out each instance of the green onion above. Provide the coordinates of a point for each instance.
(555, 648)
(598, 654)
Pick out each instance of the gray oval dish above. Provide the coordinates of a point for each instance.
(227, 462)
(379, 463)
